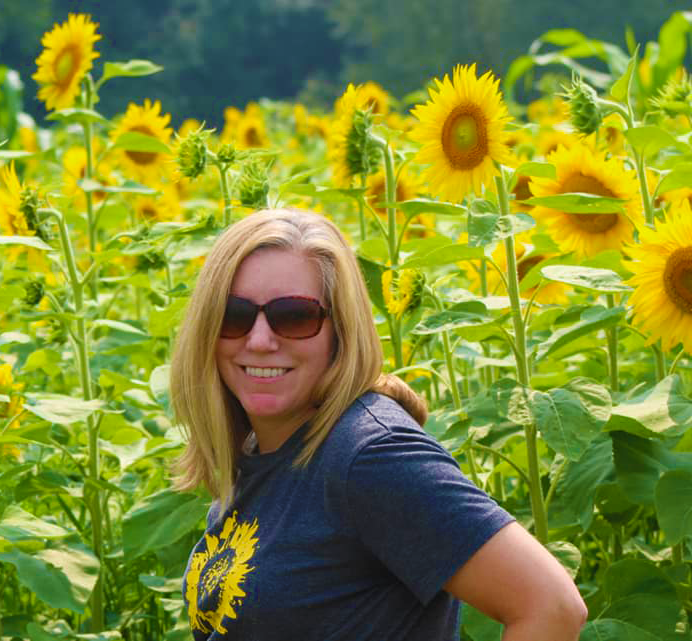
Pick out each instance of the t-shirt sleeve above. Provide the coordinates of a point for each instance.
(415, 511)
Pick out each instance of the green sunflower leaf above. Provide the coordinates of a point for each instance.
(679, 176)
(649, 140)
(29, 241)
(78, 115)
(593, 319)
(130, 68)
(539, 169)
(485, 229)
(614, 630)
(468, 314)
(417, 206)
(446, 255)
(600, 280)
(621, 87)
(674, 504)
(136, 141)
(578, 203)
(661, 410)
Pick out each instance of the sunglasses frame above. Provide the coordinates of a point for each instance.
(324, 313)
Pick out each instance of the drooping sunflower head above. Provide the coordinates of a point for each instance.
(675, 97)
(462, 132)
(351, 152)
(584, 170)
(146, 119)
(13, 221)
(662, 266)
(68, 52)
(402, 290)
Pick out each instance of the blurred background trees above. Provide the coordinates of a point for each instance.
(218, 53)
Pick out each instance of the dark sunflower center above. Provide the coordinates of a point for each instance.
(465, 137)
(66, 65)
(590, 223)
(524, 266)
(677, 278)
(252, 137)
(521, 190)
(142, 157)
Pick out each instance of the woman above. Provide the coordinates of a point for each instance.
(336, 516)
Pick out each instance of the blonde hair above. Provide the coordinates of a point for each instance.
(203, 405)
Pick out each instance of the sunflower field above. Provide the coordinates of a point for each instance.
(530, 270)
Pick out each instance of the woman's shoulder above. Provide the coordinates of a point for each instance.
(370, 419)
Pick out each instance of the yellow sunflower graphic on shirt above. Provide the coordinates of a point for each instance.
(216, 573)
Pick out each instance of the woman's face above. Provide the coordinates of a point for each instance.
(273, 377)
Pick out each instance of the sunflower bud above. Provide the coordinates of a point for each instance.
(253, 185)
(362, 154)
(150, 260)
(227, 153)
(192, 153)
(585, 111)
(675, 97)
(402, 290)
(28, 205)
(33, 293)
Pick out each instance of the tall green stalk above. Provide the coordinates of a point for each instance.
(226, 193)
(92, 494)
(87, 128)
(530, 432)
(612, 338)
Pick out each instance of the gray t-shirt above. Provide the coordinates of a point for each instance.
(355, 546)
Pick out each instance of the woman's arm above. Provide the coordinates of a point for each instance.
(515, 580)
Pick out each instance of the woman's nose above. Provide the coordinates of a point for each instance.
(261, 336)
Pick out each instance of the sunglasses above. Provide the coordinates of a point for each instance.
(288, 316)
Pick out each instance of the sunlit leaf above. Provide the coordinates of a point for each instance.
(593, 319)
(29, 241)
(64, 410)
(485, 229)
(539, 169)
(620, 90)
(129, 68)
(600, 280)
(578, 203)
(650, 139)
(18, 525)
(614, 630)
(446, 255)
(78, 115)
(659, 410)
(136, 141)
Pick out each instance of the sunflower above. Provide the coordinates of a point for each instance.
(251, 131)
(217, 569)
(10, 408)
(13, 221)
(349, 150)
(462, 130)
(662, 266)
(376, 98)
(148, 120)
(548, 140)
(402, 291)
(74, 163)
(158, 207)
(582, 169)
(548, 111)
(231, 118)
(66, 58)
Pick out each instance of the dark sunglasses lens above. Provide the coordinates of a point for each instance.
(294, 317)
(238, 318)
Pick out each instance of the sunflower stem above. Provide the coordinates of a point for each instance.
(390, 191)
(659, 361)
(530, 431)
(674, 365)
(361, 212)
(612, 337)
(88, 175)
(225, 191)
(92, 498)
(644, 188)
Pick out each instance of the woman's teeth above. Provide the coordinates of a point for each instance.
(265, 372)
